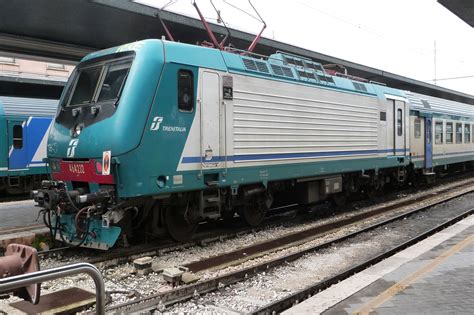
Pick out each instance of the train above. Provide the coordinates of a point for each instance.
(158, 135)
(24, 127)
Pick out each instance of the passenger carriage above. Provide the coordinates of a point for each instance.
(24, 127)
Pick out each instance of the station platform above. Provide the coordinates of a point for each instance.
(435, 276)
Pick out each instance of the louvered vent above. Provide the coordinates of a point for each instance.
(287, 72)
(301, 74)
(314, 66)
(277, 70)
(249, 64)
(359, 86)
(325, 79)
(262, 66)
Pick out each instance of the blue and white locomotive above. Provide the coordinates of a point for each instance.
(157, 134)
(24, 126)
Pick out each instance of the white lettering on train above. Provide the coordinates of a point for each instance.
(77, 168)
(174, 129)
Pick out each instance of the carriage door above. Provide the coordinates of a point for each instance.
(428, 142)
(399, 127)
(17, 148)
(210, 119)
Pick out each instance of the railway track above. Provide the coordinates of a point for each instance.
(289, 301)
(126, 255)
(185, 292)
(221, 233)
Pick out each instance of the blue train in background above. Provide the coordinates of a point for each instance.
(157, 134)
(24, 127)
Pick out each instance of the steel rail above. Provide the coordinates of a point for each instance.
(292, 239)
(117, 256)
(289, 301)
(11, 283)
(188, 291)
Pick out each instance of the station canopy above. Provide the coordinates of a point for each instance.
(464, 9)
(68, 30)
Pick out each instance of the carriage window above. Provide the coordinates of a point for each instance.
(185, 91)
(399, 122)
(467, 133)
(449, 132)
(85, 86)
(417, 128)
(17, 137)
(458, 133)
(439, 132)
(114, 81)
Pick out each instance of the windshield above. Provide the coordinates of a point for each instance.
(100, 82)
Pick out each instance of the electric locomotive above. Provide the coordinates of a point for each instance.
(159, 135)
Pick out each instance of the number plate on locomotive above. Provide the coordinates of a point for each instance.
(76, 168)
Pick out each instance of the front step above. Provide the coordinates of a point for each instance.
(401, 174)
(210, 203)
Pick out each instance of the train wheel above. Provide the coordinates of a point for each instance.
(340, 199)
(178, 225)
(252, 215)
(254, 210)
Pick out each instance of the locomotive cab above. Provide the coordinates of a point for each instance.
(92, 128)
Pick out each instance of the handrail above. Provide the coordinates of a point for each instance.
(15, 282)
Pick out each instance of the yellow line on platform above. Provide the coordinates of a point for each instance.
(403, 284)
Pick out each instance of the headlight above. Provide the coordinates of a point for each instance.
(55, 166)
(77, 130)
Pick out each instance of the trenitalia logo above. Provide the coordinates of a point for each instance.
(71, 150)
(155, 124)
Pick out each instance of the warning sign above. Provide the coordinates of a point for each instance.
(106, 157)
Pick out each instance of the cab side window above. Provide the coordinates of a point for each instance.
(185, 91)
(17, 137)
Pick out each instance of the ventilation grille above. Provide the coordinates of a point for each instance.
(255, 65)
(250, 64)
(262, 66)
(359, 86)
(308, 75)
(314, 66)
(277, 70)
(325, 79)
(287, 72)
(295, 62)
(282, 71)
